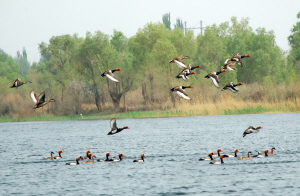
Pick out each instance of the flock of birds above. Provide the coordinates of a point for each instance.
(211, 155)
(40, 101)
(214, 76)
(179, 90)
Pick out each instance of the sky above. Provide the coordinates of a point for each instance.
(27, 23)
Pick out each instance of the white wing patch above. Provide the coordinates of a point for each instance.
(180, 64)
(180, 94)
(32, 95)
(215, 82)
(112, 78)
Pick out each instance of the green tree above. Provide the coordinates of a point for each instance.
(167, 20)
(294, 41)
(23, 62)
(8, 67)
(179, 24)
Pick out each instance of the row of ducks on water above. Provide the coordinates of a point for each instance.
(211, 155)
(91, 158)
(214, 76)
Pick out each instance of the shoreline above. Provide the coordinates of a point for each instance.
(148, 114)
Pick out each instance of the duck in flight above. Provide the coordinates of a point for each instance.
(113, 127)
(109, 74)
(40, 101)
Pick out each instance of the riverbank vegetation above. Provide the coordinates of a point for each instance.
(70, 67)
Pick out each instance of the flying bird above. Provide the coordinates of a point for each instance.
(238, 58)
(109, 74)
(40, 101)
(18, 83)
(114, 128)
(232, 87)
(214, 76)
(179, 62)
(251, 129)
(228, 64)
(179, 90)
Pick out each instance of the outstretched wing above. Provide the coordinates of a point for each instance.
(113, 124)
(41, 98)
(215, 80)
(180, 64)
(33, 97)
(180, 92)
(111, 77)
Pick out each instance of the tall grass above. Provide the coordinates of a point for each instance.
(205, 101)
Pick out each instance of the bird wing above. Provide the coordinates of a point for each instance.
(113, 124)
(215, 79)
(180, 92)
(111, 77)
(33, 97)
(41, 98)
(180, 64)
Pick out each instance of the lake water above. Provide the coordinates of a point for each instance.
(172, 147)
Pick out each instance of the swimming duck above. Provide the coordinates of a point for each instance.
(238, 58)
(219, 162)
(141, 159)
(114, 128)
(92, 156)
(251, 129)
(178, 61)
(109, 74)
(214, 76)
(233, 155)
(248, 157)
(106, 159)
(209, 158)
(265, 154)
(120, 157)
(49, 157)
(75, 163)
(184, 75)
(218, 153)
(232, 87)
(18, 83)
(39, 102)
(228, 65)
(179, 90)
(59, 155)
(87, 155)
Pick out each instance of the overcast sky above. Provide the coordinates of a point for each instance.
(26, 23)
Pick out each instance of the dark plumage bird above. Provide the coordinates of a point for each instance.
(251, 129)
(114, 128)
(179, 90)
(141, 159)
(106, 158)
(109, 74)
(221, 160)
(209, 158)
(40, 101)
(184, 75)
(75, 163)
(238, 58)
(232, 87)
(18, 83)
(214, 76)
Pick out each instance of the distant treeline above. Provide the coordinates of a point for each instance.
(70, 67)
